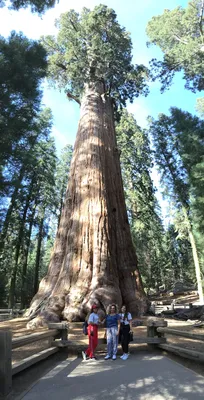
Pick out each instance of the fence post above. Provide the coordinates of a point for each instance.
(64, 332)
(5, 363)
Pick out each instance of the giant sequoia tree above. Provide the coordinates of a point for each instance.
(93, 257)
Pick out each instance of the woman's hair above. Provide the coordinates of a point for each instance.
(108, 310)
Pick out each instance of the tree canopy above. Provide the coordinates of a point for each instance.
(38, 6)
(93, 46)
(22, 68)
(180, 35)
(178, 141)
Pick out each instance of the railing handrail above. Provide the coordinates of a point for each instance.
(34, 337)
(7, 344)
(176, 332)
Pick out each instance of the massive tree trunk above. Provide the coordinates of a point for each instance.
(93, 258)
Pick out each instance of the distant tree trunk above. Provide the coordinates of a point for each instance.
(25, 259)
(14, 198)
(38, 253)
(17, 250)
(93, 258)
(61, 204)
(10, 209)
(190, 234)
(197, 266)
(195, 257)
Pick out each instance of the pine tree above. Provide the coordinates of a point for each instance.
(142, 207)
(62, 173)
(22, 68)
(34, 189)
(178, 153)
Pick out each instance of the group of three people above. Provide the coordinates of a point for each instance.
(117, 328)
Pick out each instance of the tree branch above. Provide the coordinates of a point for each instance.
(61, 66)
(180, 40)
(72, 23)
(72, 97)
(201, 19)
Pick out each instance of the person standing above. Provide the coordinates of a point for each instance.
(112, 331)
(125, 328)
(93, 321)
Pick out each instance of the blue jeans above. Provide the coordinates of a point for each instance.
(112, 341)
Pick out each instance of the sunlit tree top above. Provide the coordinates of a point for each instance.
(93, 46)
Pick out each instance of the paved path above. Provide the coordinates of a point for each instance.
(143, 376)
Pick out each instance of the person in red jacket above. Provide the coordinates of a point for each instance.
(93, 322)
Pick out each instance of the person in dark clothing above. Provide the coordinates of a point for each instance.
(125, 328)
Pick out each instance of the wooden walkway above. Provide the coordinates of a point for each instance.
(144, 376)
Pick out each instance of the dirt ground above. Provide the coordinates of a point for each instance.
(184, 298)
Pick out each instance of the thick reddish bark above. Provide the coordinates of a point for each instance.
(93, 259)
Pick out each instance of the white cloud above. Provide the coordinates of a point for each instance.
(34, 26)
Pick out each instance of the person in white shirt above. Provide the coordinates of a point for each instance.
(125, 328)
(93, 321)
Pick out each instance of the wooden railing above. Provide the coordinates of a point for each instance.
(157, 334)
(6, 313)
(158, 309)
(7, 344)
(181, 351)
(9, 313)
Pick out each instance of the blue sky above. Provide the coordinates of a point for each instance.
(134, 16)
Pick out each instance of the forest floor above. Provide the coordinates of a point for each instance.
(184, 298)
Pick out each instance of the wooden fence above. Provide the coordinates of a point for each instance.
(7, 344)
(181, 351)
(9, 313)
(158, 309)
(6, 313)
(158, 332)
